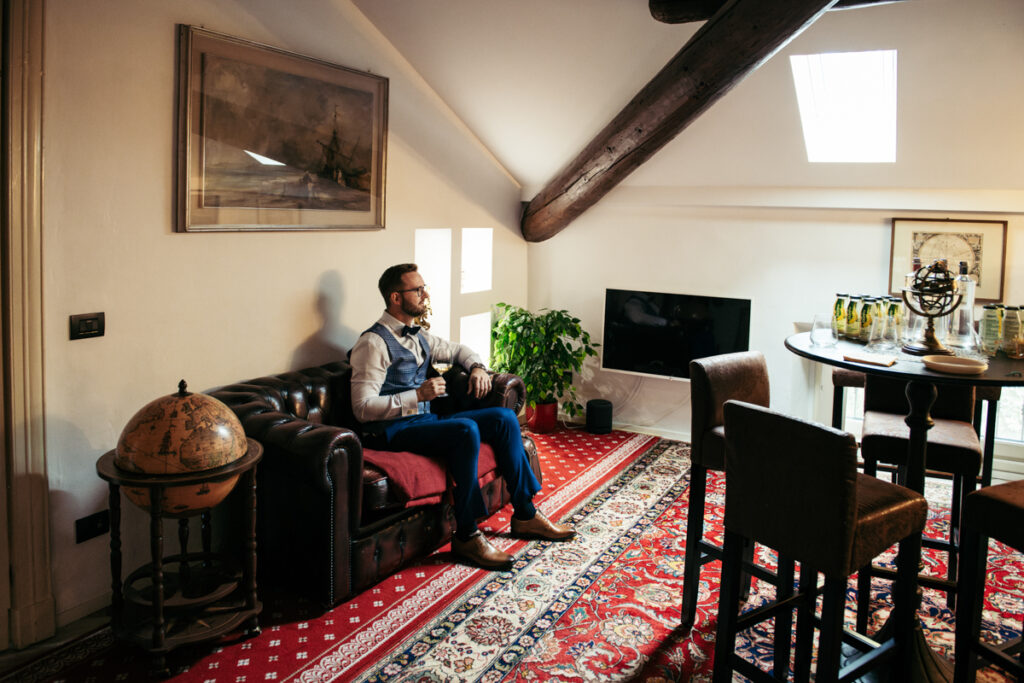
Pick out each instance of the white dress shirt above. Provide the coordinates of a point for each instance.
(370, 361)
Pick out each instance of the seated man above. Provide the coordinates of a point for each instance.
(391, 398)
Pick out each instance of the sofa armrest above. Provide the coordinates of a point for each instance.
(507, 391)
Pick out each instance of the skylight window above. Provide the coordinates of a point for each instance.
(847, 105)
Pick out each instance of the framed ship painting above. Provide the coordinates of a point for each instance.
(272, 140)
(982, 244)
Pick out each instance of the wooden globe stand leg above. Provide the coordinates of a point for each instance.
(252, 626)
(156, 545)
(117, 599)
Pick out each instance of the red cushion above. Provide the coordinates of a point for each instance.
(420, 479)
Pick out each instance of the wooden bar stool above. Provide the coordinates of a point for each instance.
(713, 381)
(794, 487)
(991, 512)
(953, 450)
(990, 397)
(843, 379)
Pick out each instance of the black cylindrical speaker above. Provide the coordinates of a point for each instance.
(599, 416)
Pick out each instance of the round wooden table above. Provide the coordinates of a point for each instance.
(921, 393)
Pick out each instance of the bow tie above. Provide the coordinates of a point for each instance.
(410, 329)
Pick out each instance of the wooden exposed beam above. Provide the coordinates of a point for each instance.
(685, 11)
(732, 44)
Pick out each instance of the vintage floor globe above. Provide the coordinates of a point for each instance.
(177, 434)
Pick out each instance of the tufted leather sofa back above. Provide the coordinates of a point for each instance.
(318, 395)
(323, 395)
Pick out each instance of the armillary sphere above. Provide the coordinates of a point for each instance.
(935, 293)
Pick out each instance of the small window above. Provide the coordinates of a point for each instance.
(476, 259)
(847, 105)
(475, 332)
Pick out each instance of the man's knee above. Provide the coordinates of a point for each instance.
(506, 417)
(466, 432)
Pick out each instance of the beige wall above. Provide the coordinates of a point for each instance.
(210, 308)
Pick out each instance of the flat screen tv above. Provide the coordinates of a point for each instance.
(657, 333)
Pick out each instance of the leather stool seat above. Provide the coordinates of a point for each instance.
(793, 486)
(953, 445)
(991, 512)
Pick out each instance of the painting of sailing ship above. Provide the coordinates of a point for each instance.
(275, 140)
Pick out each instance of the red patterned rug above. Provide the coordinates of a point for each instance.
(602, 607)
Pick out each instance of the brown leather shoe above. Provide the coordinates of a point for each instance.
(542, 527)
(478, 550)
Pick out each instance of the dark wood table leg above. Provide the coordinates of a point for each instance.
(924, 663)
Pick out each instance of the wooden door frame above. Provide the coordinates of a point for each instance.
(25, 539)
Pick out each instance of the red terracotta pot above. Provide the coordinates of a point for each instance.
(542, 418)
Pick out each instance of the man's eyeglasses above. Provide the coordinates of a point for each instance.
(420, 291)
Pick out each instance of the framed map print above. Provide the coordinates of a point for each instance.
(982, 244)
(273, 140)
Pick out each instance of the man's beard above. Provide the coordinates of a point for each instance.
(415, 310)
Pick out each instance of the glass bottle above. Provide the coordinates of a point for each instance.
(853, 318)
(961, 328)
(867, 307)
(1011, 331)
(894, 318)
(839, 313)
(911, 319)
(990, 332)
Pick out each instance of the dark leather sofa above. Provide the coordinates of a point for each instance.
(329, 523)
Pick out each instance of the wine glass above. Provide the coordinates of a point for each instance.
(442, 367)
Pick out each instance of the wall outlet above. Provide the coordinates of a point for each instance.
(92, 526)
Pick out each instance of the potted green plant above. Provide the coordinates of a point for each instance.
(544, 349)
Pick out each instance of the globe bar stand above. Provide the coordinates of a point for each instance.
(187, 597)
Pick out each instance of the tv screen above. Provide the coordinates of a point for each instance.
(656, 333)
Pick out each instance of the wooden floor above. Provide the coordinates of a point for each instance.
(12, 660)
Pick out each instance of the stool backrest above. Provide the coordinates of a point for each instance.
(887, 395)
(792, 485)
(741, 376)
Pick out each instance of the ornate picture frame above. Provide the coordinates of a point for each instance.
(982, 243)
(272, 140)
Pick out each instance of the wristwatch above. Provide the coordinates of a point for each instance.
(474, 366)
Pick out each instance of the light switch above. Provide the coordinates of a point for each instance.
(84, 325)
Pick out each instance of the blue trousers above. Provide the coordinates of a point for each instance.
(456, 440)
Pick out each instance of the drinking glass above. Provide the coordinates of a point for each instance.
(441, 368)
(824, 331)
(883, 335)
